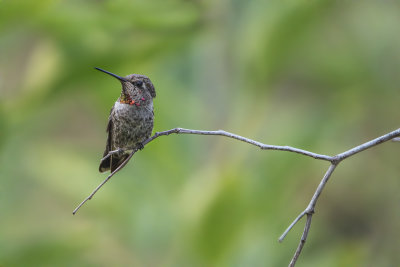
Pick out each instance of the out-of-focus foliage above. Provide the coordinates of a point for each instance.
(319, 75)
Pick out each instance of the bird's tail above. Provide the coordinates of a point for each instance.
(112, 162)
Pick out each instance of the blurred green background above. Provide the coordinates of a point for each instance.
(318, 75)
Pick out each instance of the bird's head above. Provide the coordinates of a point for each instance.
(135, 88)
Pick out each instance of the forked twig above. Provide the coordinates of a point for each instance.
(309, 211)
(334, 162)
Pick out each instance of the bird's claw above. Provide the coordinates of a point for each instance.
(140, 146)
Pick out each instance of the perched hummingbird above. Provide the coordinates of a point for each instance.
(131, 119)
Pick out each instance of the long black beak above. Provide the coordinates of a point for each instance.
(122, 79)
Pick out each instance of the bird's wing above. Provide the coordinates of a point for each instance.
(109, 137)
(105, 164)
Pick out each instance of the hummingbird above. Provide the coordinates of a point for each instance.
(131, 119)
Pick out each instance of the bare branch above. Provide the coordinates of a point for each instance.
(106, 180)
(369, 144)
(302, 241)
(309, 211)
(311, 205)
(243, 139)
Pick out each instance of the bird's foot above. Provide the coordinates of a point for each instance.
(140, 146)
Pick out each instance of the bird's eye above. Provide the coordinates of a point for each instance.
(138, 83)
